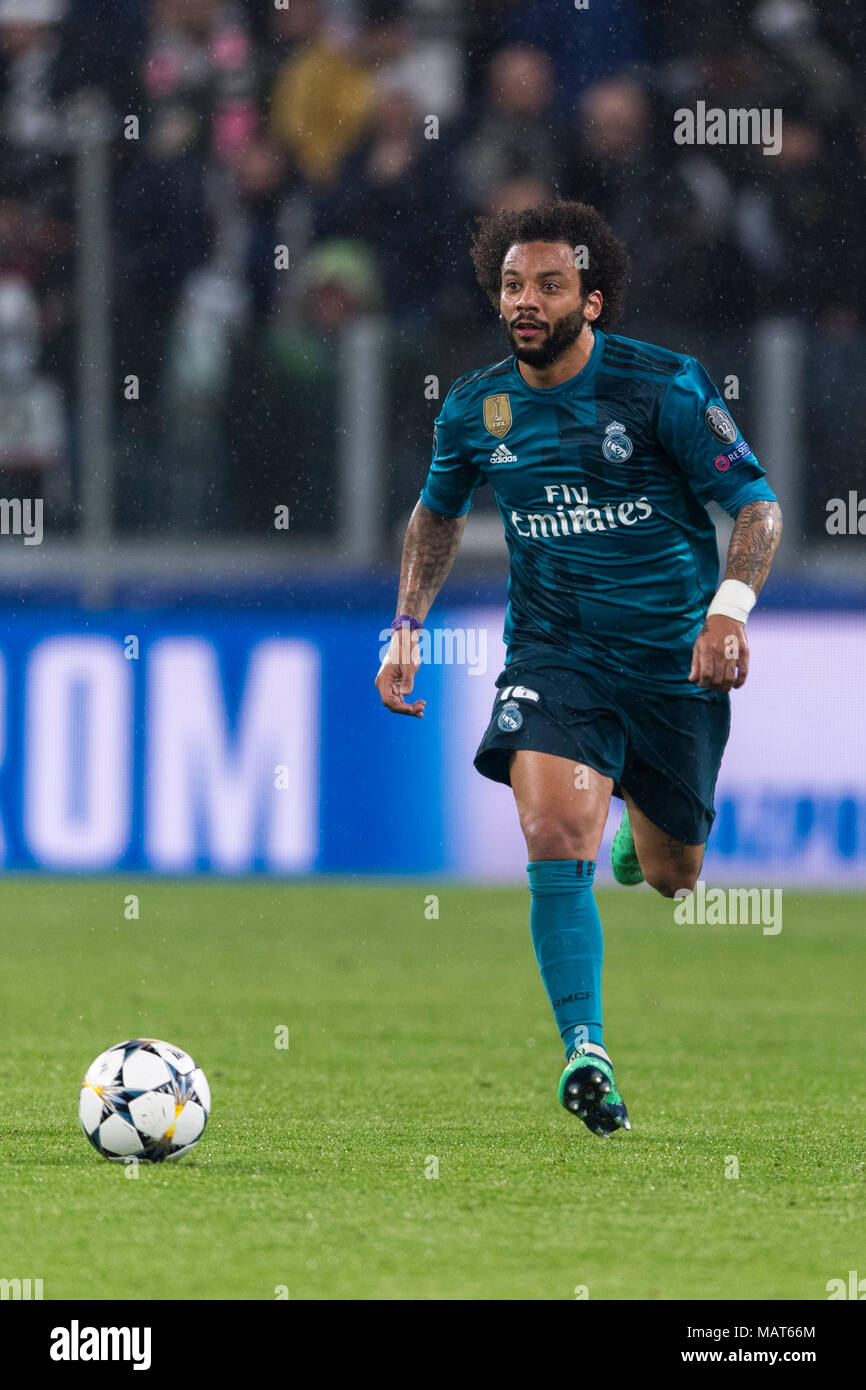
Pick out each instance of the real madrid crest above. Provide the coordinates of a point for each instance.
(617, 446)
(497, 415)
(510, 717)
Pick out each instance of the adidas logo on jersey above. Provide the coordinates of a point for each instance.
(502, 455)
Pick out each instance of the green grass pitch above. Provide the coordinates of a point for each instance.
(414, 1039)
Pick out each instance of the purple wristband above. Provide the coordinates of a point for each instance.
(399, 623)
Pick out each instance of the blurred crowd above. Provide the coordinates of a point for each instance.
(363, 136)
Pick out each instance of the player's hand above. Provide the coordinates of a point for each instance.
(720, 656)
(397, 674)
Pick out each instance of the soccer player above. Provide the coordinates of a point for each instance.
(602, 453)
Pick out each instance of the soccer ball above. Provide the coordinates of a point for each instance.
(145, 1100)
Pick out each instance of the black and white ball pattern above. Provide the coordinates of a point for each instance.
(144, 1099)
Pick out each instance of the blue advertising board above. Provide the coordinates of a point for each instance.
(237, 742)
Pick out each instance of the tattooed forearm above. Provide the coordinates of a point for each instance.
(754, 541)
(431, 544)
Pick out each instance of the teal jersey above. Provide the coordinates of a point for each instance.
(602, 485)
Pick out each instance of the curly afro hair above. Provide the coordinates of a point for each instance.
(577, 224)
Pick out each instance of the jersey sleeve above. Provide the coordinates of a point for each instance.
(453, 478)
(696, 430)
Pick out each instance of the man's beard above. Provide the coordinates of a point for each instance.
(566, 331)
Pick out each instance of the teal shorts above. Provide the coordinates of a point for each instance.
(664, 750)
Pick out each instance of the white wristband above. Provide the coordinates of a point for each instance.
(734, 599)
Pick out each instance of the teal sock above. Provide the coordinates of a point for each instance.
(567, 937)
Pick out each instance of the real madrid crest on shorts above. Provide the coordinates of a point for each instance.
(510, 719)
(617, 446)
(497, 414)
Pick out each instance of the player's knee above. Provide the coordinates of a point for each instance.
(669, 880)
(549, 837)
